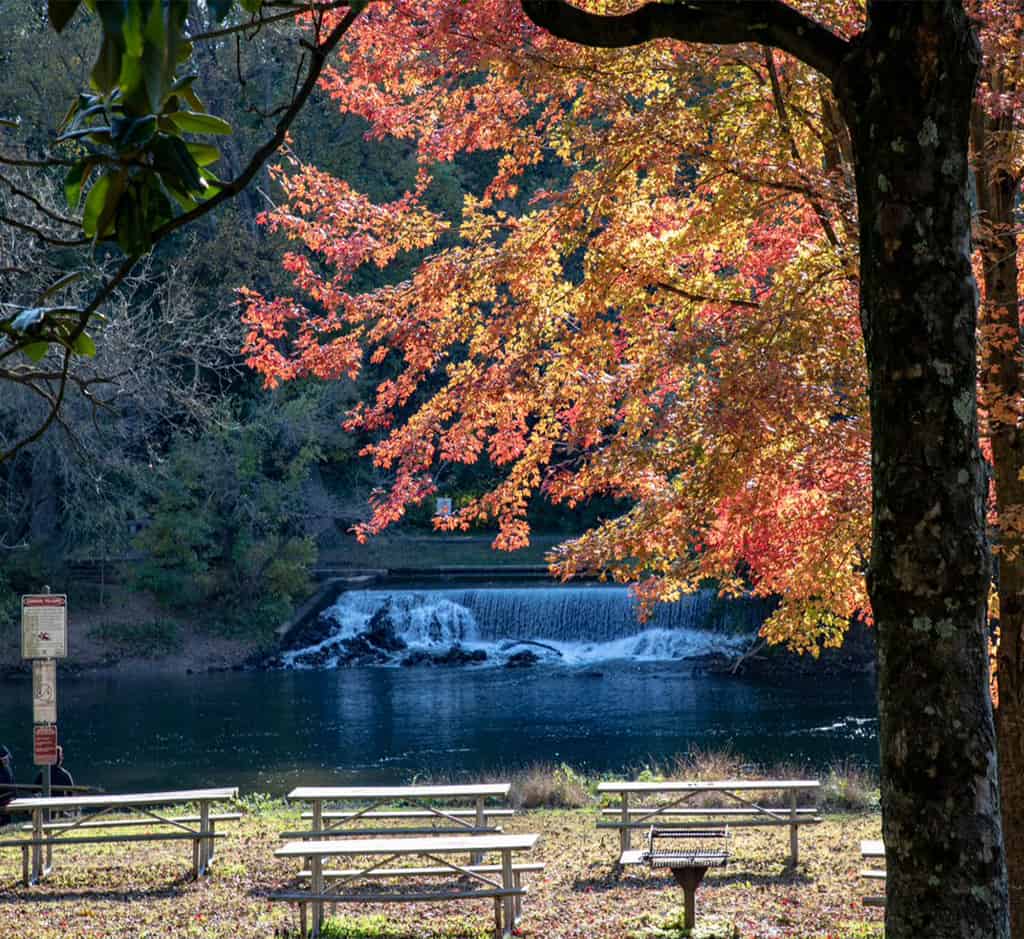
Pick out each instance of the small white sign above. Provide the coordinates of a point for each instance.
(443, 507)
(44, 626)
(44, 691)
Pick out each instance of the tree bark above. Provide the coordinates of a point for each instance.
(906, 91)
(905, 87)
(1002, 383)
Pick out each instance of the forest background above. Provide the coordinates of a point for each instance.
(182, 478)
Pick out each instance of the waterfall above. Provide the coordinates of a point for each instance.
(569, 625)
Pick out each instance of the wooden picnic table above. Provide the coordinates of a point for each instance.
(673, 814)
(47, 836)
(372, 798)
(437, 850)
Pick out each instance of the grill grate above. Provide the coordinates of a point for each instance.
(693, 847)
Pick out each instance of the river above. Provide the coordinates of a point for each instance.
(269, 731)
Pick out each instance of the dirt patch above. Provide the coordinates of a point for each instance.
(133, 633)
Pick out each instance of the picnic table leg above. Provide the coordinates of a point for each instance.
(204, 845)
(517, 879)
(625, 833)
(24, 865)
(481, 820)
(508, 882)
(195, 858)
(794, 850)
(302, 920)
(37, 849)
(317, 886)
(497, 918)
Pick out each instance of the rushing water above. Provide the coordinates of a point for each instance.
(575, 625)
(268, 731)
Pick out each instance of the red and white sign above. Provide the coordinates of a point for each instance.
(44, 745)
(44, 626)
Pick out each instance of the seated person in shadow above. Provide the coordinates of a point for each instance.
(7, 784)
(59, 777)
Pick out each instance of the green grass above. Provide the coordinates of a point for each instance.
(671, 927)
(380, 927)
(424, 550)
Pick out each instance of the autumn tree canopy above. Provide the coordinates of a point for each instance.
(678, 325)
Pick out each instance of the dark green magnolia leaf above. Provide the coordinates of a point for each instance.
(251, 6)
(107, 69)
(94, 203)
(105, 222)
(192, 123)
(60, 12)
(10, 121)
(172, 159)
(35, 350)
(84, 345)
(74, 180)
(203, 153)
(131, 134)
(132, 229)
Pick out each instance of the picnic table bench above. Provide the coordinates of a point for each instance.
(873, 851)
(501, 883)
(675, 813)
(94, 828)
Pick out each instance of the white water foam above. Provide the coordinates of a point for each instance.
(570, 626)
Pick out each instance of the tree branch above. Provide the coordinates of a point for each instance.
(720, 22)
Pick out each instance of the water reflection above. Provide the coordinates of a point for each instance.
(267, 731)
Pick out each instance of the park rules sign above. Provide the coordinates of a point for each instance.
(44, 626)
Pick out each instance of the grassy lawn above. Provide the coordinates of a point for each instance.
(142, 891)
(428, 551)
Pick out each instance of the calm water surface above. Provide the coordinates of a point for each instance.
(269, 731)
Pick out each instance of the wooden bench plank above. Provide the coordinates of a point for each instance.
(425, 871)
(375, 846)
(414, 813)
(311, 834)
(873, 874)
(723, 785)
(872, 849)
(758, 822)
(725, 813)
(299, 896)
(99, 839)
(131, 822)
(108, 801)
(631, 857)
(488, 790)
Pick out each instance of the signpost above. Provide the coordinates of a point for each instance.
(44, 626)
(44, 746)
(44, 691)
(44, 639)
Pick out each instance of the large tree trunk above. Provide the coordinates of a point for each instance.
(906, 92)
(1002, 384)
(905, 87)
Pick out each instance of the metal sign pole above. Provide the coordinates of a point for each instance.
(44, 624)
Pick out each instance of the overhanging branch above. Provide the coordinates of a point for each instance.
(719, 22)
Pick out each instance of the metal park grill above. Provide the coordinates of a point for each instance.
(688, 853)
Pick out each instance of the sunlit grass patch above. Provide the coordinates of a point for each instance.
(380, 927)
(672, 927)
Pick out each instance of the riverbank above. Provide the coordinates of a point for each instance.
(142, 891)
